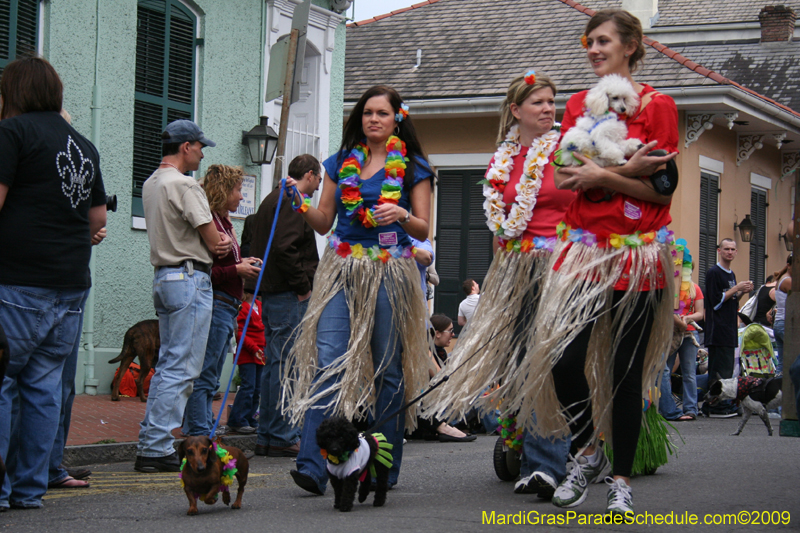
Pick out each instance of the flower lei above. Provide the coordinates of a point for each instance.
(527, 189)
(228, 468)
(614, 240)
(336, 459)
(376, 253)
(526, 245)
(350, 183)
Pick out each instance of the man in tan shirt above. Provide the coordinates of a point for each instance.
(182, 239)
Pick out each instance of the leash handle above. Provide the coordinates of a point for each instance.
(294, 193)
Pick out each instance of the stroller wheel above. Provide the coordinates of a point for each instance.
(506, 462)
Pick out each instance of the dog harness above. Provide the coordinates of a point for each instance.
(359, 458)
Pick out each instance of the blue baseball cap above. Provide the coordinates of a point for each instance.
(181, 131)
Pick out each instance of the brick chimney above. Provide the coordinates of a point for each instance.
(777, 24)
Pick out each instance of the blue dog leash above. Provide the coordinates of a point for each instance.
(294, 194)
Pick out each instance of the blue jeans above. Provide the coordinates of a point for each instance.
(199, 415)
(58, 473)
(184, 308)
(42, 326)
(243, 412)
(778, 329)
(541, 454)
(281, 314)
(333, 334)
(687, 352)
(666, 404)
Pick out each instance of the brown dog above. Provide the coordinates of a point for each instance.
(141, 340)
(202, 474)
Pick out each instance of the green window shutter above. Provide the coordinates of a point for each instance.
(709, 198)
(758, 246)
(19, 29)
(165, 59)
(463, 241)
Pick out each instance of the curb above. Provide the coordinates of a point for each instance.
(126, 451)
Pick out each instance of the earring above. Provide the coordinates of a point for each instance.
(397, 129)
(626, 55)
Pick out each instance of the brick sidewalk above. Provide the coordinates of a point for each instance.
(97, 418)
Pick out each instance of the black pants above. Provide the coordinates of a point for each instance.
(572, 387)
(720, 359)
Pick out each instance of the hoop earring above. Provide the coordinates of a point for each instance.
(397, 129)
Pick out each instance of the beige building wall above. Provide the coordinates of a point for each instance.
(477, 135)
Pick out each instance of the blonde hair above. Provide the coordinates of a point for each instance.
(218, 183)
(517, 92)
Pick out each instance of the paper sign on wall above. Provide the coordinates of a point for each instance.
(248, 205)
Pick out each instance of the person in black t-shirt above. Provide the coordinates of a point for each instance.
(52, 202)
(722, 297)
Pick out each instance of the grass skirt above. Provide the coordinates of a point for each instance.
(487, 353)
(354, 393)
(579, 293)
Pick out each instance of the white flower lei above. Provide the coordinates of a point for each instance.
(527, 189)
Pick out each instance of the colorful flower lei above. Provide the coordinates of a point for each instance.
(335, 459)
(228, 468)
(530, 183)
(530, 77)
(350, 183)
(376, 253)
(526, 245)
(512, 434)
(402, 113)
(614, 240)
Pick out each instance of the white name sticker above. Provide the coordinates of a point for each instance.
(174, 276)
(632, 211)
(387, 239)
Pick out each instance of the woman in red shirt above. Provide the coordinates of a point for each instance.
(613, 270)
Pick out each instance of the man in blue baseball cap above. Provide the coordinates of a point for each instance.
(183, 240)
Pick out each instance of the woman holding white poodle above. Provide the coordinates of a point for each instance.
(605, 313)
(523, 207)
(363, 347)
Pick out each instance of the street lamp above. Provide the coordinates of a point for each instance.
(786, 240)
(261, 141)
(746, 229)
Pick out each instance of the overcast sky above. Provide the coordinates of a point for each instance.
(365, 9)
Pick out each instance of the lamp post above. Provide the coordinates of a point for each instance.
(746, 229)
(261, 141)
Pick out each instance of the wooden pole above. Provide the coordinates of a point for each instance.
(789, 424)
(280, 152)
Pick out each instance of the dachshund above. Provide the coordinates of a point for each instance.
(142, 340)
(207, 468)
(354, 457)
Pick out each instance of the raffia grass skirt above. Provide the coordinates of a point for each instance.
(354, 392)
(579, 293)
(487, 353)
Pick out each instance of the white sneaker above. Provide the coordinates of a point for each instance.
(572, 491)
(619, 497)
(524, 486)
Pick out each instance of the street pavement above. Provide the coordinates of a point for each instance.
(451, 487)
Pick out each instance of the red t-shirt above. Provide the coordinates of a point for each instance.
(551, 203)
(623, 214)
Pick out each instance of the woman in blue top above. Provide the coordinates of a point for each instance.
(362, 347)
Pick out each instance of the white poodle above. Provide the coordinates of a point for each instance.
(600, 132)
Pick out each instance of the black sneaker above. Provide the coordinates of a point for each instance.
(306, 482)
(150, 465)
